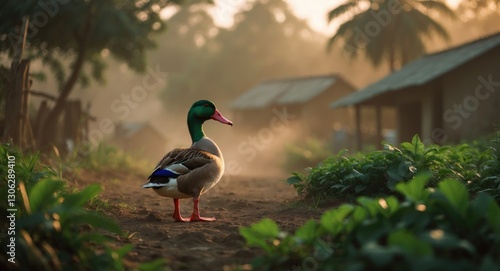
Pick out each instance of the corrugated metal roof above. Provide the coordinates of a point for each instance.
(284, 91)
(423, 70)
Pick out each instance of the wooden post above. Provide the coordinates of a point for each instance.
(43, 112)
(378, 116)
(357, 109)
(18, 83)
(72, 122)
(25, 131)
(78, 122)
(86, 121)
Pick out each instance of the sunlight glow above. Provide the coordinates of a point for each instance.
(312, 11)
(383, 203)
(437, 234)
(421, 207)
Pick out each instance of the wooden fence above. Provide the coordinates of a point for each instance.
(17, 127)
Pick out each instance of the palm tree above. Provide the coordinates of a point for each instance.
(388, 29)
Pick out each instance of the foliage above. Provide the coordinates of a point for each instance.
(243, 54)
(70, 37)
(122, 27)
(105, 157)
(377, 173)
(54, 230)
(304, 154)
(431, 229)
(388, 30)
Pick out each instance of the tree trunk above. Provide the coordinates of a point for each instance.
(17, 86)
(47, 139)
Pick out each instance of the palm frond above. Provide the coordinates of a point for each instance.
(340, 10)
(342, 32)
(440, 7)
(427, 26)
(347, 31)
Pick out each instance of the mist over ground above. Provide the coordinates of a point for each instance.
(196, 59)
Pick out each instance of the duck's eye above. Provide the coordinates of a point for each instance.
(205, 105)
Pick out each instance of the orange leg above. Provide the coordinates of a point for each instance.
(177, 213)
(196, 212)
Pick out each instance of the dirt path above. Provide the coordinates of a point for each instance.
(235, 202)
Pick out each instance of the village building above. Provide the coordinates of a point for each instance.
(444, 97)
(303, 102)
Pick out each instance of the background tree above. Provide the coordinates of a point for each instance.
(69, 36)
(189, 29)
(266, 41)
(388, 30)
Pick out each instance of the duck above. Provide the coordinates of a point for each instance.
(190, 172)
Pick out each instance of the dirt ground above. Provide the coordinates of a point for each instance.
(236, 201)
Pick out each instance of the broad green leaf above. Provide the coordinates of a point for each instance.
(359, 188)
(294, 180)
(338, 186)
(124, 250)
(456, 194)
(258, 234)
(359, 214)
(373, 230)
(414, 189)
(307, 232)
(156, 264)
(372, 205)
(392, 203)
(394, 174)
(489, 264)
(322, 250)
(409, 243)
(42, 195)
(94, 237)
(418, 146)
(266, 228)
(78, 199)
(484, 202)
(332, 220)
(92, 219)
(446, 239)
(494, 216)
(379, 255)
(354, 174)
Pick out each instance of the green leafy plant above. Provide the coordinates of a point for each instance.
(54, 229)
(377, 173)
(430, 229)
(104, 157)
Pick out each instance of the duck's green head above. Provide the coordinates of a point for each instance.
(204, 110)
(201, 111)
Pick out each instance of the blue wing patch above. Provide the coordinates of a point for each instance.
(165, 173)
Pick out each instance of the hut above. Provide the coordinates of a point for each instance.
(301, 101)
(444, 97)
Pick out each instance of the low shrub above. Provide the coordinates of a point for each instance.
(52, 228)
(429, 229)
(377, 173)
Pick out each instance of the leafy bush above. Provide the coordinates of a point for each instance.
(104, 157)
(377, 173)
(430, 229)
(53, 229)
